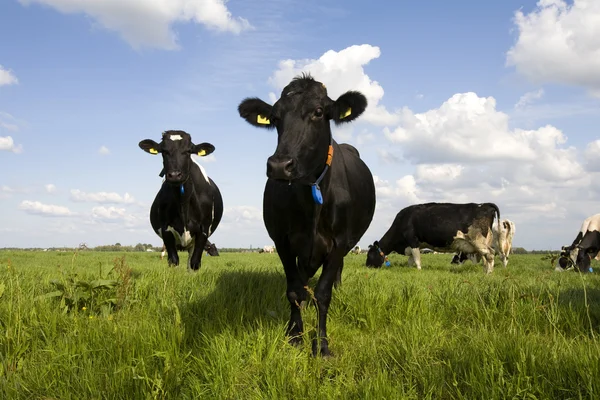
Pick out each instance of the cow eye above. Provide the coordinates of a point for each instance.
(319, 112)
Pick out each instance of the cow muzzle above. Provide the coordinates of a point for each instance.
(174, 176)
(281, 168)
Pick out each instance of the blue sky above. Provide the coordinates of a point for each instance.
(469, 101)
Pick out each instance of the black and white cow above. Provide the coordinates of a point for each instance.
(585, 246)
(501, 243)
(188, 206)
(441, 227)
(320, 196)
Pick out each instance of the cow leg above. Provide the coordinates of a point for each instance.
(169, 241)
(333, 264)
(296, 291)
(416, 255)
(196, 254)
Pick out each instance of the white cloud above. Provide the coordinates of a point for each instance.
(48, 210)
(103, 150)
(8, 144)
(365, 137)
(242, 214)
(147, 23)
(8, 122)
(529, 98)
(404, 188)
(7, 77)
(592, 156)
(50, 188)
(439, 173)
(468, 129)
(559, 42)
(101, 197)
(340, 71)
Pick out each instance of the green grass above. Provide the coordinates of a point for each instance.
(446, 332)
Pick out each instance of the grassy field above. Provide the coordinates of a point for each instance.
(128, 327)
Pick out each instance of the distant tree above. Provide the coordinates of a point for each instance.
(519, 250)
(118, 244)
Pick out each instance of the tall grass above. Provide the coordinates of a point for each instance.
(445, 332)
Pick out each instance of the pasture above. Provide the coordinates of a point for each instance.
(133, 328)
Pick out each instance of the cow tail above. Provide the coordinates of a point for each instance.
(499, 238)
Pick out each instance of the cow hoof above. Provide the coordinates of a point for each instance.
(295, 339)
(321, 349)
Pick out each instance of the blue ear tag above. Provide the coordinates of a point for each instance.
(387, 263)
(591, 270)
(317, 196)
(181, 189)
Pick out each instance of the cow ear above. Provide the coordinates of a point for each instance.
(376, 243)
(203, 149)
(348, 107)
(256, 112)
(149, 146)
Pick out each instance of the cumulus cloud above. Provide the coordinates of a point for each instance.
(46, 210)
(592, 156)
(101, 197)
(529, 98)
(559, 42)
(50, 188)
(103, 150)
(8, 144)
(340, 71)
(147, 23)
(7, 77)
(468, 129)
(242, 214)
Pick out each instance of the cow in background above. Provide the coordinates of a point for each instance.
(584, 248)
(501, 243)
(356, 250)
(320, 196)
(188, 207)
(441, 227)
(211, 250)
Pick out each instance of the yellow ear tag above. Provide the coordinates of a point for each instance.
(202, 153)
(153, 151)
(348, 112)
(262, 120)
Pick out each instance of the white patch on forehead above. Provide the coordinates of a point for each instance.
(175, 137)
(202, 170)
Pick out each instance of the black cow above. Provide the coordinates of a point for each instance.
(441, 227)
(585, 246)
(188, 206)
(319, 198)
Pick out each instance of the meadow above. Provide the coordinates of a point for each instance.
(91, 325)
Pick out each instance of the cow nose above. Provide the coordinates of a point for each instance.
(280, 169)
(174, 175)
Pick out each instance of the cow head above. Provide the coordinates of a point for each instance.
(211, 249)
(176, 148)
(301, 117)
(375, 257)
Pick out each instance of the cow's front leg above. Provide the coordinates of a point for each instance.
(333, 264)
(196, 255)
(171, 247)
(296, 290)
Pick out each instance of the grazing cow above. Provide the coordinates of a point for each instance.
(188, 206)
(585, 246)
(356, 250)
(268, 249)
(502, 243)
(319, 197)
(441, 227)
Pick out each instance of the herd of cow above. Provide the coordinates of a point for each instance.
(319, 200)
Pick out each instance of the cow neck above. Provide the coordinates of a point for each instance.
(382, 252)
(315, 188)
